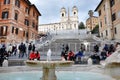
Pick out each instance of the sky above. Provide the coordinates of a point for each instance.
(50, 9)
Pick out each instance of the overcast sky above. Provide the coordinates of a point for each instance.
(50, 9)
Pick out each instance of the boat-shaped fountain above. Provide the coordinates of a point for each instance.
(112, 64)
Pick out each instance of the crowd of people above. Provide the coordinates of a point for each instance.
(66, 54)
(19, 50)
(107, 50)
(96, 57)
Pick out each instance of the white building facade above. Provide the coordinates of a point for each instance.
(67, 22)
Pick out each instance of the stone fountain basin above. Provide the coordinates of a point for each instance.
(48, 64)
(48, 67)
(113, 69)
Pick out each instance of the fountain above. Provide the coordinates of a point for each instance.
(49, 71)
(48, 67)
(34, 72)
(112, 64)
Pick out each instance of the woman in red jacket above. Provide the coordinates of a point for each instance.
(71, 56)
(32, 55)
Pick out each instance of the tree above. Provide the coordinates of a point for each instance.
(95, 30)
(81, 25)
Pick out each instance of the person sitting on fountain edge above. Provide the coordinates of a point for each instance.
(37, 55)
(32, 55)
(64, 55)
(70, 56)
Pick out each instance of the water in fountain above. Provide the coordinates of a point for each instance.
(62, 75)
(49, 55)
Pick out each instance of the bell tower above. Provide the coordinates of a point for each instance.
(75, 11)
(63, 13)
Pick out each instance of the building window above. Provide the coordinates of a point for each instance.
(113, 17)
(37, 27)
(115, 30)
(99, 12)
(27, 35)
(105, 19)
(27, 10)
(106, 33)
(6, 1)
(16, 32)
(0, 31)
(3, 30)
(112, 2)
(33, 13)
(5, 15)
(101, 23)
(26, 22)
(104, 7)
(33, 24)
(101, 34)
(32, 35)
(12, 29)
(36, 17)
(16, 16)
(17, 3)
(24, 34)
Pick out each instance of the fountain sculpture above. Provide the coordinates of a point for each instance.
(112, 64)
(48, 67)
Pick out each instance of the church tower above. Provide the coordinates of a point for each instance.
(63, 13)
(75, 17)
(75, 11)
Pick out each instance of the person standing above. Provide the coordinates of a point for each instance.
(66, 48)
(33, 47)
(96, 48)
(24, 50)
(1, 56)
(21, 50)
(29, 48)
(10, 49)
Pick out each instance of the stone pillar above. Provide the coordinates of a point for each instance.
(75, 47)
(49, 73)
